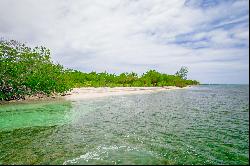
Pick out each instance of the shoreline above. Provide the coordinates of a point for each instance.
(99, 92)
(85, 93)
(34, 99)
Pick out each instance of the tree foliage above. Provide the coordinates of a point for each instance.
(182, 73)
(29, 71)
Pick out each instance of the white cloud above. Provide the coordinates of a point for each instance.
(127, 35)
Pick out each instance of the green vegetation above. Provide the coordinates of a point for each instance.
(150, 78)
(26, 71)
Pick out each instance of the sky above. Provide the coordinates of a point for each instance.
(210, 37)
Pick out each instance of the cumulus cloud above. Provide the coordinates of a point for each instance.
(210, 37)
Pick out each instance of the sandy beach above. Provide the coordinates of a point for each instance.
(91, 92)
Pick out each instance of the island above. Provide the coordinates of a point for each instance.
(29, 73)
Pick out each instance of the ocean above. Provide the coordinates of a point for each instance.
(205, 124)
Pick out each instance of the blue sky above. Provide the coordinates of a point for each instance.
(210, 37)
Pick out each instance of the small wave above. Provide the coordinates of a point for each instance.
(97, 154)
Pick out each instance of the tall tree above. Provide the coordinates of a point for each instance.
(182, 73)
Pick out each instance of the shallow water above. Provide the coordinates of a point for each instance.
(206, 124)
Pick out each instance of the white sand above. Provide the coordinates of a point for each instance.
(90, 92)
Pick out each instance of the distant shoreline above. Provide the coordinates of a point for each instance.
(84, 93)
(91, 92)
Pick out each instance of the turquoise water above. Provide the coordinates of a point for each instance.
(206, 124)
